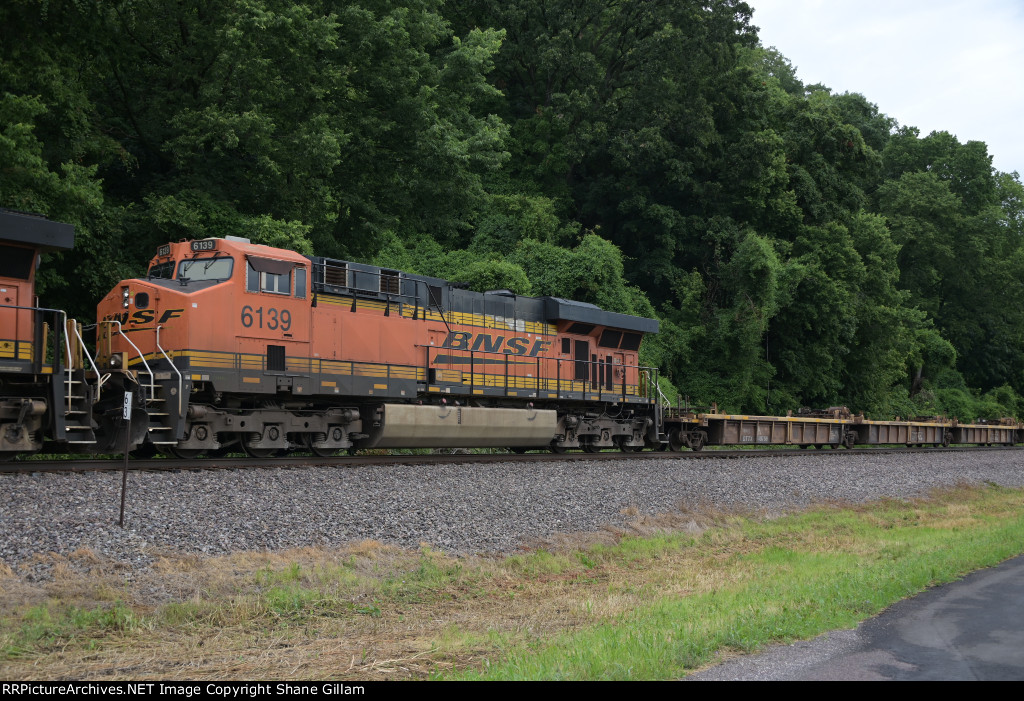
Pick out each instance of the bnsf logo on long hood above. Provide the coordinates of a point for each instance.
(515, 345)
(144, 316)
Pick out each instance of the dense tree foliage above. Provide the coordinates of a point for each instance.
(650, 156)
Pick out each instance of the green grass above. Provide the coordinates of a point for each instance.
(794, 587)
(54, 625)
(631, 607)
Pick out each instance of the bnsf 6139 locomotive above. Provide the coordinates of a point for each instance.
(236, 344)
(226, 345)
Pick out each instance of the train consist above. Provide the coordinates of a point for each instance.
(228, 345)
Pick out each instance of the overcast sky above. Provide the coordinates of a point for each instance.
(939, 65)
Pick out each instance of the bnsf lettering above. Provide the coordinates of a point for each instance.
(516, 346)
(464, 340)
(144, 316)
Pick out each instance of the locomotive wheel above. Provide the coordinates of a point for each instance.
(183, 453)
(307, 440)
(589, 448)
(557, 449)
(620, 443)
(260, 452)
(173, 451)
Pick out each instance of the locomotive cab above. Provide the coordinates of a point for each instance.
(43, 395)
(205, 306)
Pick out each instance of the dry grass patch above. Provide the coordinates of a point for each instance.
(367, 611)
(372, 611)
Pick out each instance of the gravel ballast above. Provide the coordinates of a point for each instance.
(458, 509)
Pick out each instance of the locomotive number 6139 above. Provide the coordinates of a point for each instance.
(274, 319)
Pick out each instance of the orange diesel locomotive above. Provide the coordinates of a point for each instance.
(236, 344)
(226, 345)
(44, 392)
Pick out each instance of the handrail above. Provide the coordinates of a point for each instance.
(67, 349)
(665, 403)
(152, 379)
(501, 358)
(64, 316)
(85, 351)
(171, 363)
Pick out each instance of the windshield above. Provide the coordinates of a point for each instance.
(214, 268)
(162, 270)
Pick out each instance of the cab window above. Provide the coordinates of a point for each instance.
(163, 270)
(265, 275)
(16, 262)
(195, 269)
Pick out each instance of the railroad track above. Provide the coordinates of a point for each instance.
(287, 461)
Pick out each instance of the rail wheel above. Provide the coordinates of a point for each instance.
(620, 443)
(308, 440)
(589, 447)
(557, 449)
(697, 442)
(184, 453)
(675, 441)
(259, 452)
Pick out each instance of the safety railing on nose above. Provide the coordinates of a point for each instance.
(152, 379)
(173, 367)
(100, 379)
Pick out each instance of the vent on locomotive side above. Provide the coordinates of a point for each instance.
(335, 274)
(389, 282)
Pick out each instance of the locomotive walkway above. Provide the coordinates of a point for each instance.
(972, 629)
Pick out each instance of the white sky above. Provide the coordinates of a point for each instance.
(939, 65)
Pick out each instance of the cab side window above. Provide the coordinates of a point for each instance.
(267, 278)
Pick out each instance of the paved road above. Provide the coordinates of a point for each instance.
(970, 629)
